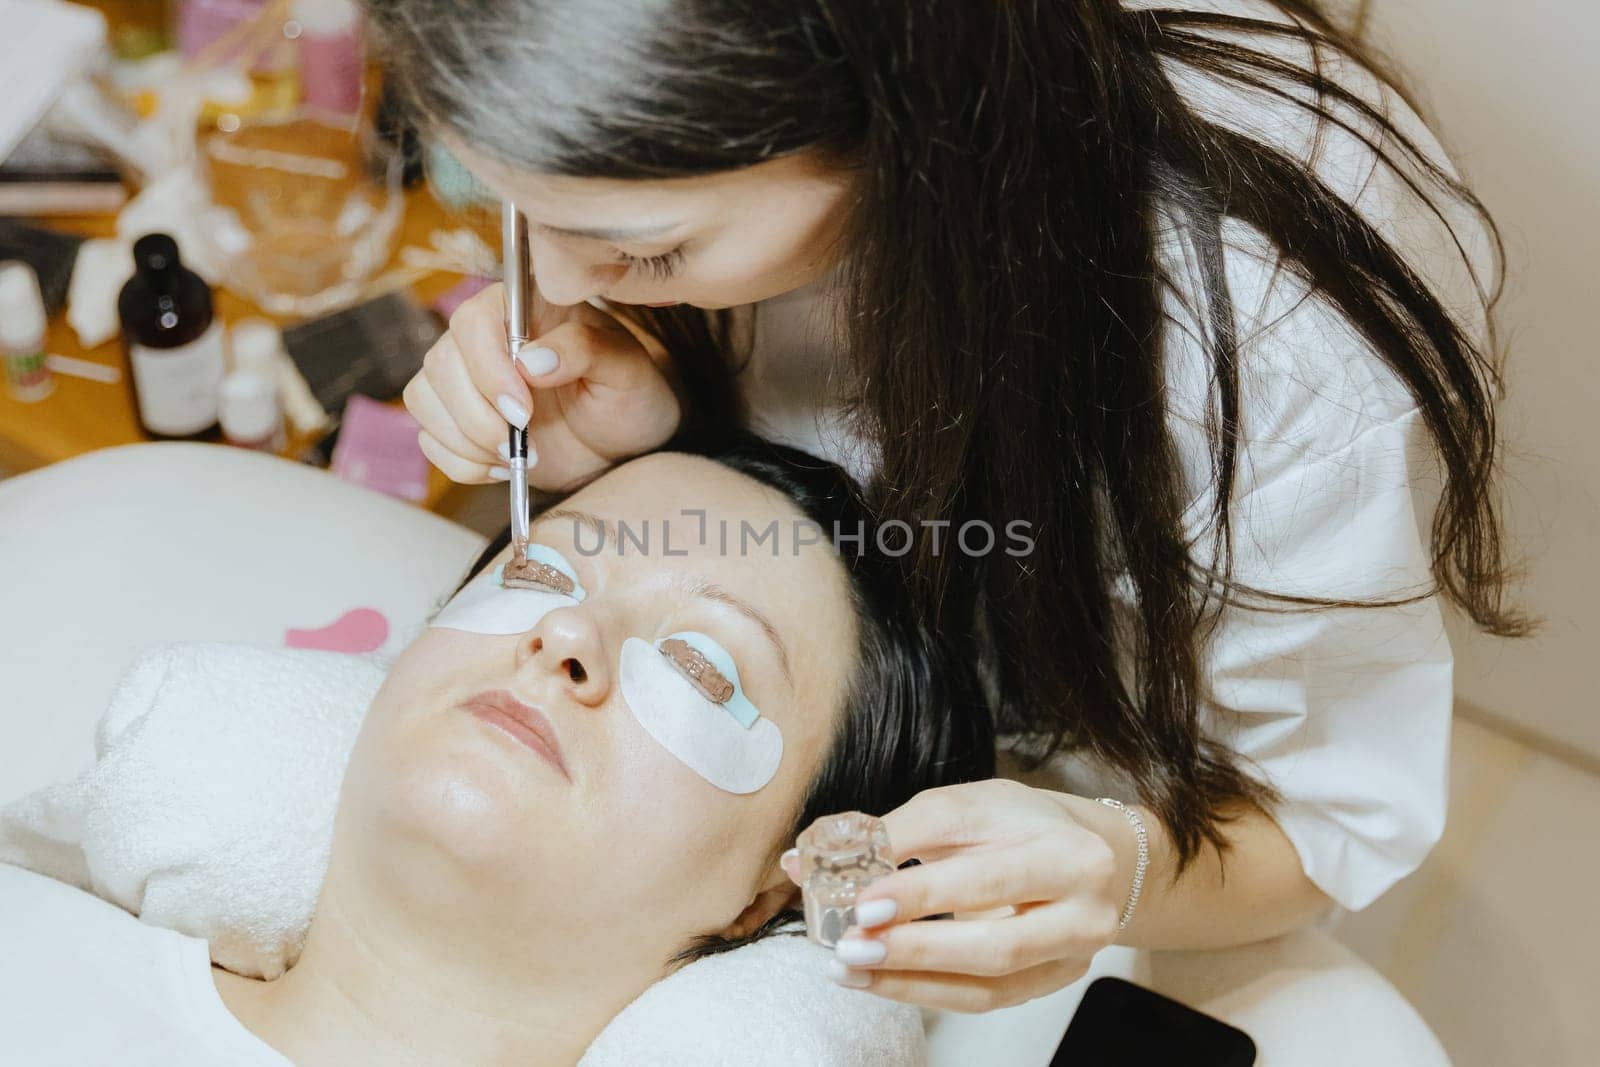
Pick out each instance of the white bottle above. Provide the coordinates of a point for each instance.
(22, 326)
(257, 345)
(249, 412)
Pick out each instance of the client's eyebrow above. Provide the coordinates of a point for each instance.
(707, 590)
(603, 529)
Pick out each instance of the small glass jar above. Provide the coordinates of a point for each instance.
(840, 855)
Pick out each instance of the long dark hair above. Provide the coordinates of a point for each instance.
(1004, 308)
(914, 716)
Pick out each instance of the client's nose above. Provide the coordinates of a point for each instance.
(567, 645)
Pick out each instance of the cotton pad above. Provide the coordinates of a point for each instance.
(704, 735)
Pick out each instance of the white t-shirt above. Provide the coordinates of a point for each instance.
(83, 982)
(1345, 712)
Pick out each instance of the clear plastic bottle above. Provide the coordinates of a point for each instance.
(174, 341)
(22, 328)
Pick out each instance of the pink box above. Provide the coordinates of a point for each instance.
(467, 288)
(377, 448)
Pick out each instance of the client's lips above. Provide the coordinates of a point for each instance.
(528, 725)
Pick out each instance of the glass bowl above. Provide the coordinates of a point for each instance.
(302, 213)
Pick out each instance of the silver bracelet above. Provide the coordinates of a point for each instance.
(1144, 856)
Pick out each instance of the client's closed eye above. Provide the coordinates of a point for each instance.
(711, 670)
(514, 597)
(543, 567)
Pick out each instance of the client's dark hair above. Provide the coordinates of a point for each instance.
(914, 716)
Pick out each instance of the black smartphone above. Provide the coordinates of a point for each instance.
(1119, 1024)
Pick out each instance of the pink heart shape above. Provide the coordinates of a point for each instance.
(356, 631)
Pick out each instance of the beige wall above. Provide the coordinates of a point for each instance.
(1513, 89)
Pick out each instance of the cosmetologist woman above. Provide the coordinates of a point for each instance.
(1192, 293)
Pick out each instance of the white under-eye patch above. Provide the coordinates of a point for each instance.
(486, 606)
(702, 734)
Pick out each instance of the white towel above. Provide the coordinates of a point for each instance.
(210, 807)
(769, 1004)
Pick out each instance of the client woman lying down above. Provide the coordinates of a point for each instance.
(567, 786)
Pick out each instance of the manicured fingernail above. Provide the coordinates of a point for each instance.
(860, 951)
(539, 360)
(512, 412)
(790, 857)
(842, 975)
(874, 912)
(505, 451)
(500, 474)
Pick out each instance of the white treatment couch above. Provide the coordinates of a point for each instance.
(133, 548)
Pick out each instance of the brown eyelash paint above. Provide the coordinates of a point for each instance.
(692, 663)
(523, 573)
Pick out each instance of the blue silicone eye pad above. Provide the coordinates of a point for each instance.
(737, 704)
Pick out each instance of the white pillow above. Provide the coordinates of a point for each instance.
(130, 549)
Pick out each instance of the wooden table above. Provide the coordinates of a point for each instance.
(82, 416)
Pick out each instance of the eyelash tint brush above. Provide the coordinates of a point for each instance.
(519, 326)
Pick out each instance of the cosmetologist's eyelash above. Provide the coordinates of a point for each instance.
(659, 268)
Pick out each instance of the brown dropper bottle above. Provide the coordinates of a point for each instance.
(173, 340)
